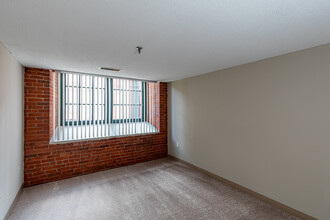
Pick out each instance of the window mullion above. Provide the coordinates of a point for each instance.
(120, 106)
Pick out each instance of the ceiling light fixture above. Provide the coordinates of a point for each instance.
(138, 48)
(110, 69)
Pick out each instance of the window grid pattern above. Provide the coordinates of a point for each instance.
(95, 106)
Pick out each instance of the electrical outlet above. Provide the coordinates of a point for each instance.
(177, 144)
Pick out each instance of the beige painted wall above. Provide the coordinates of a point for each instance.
(263, 125)
(11, 129)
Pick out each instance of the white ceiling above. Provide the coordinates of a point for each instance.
(181, 38)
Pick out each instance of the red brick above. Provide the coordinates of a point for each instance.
(44, 162)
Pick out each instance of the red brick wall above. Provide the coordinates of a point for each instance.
(45, 162)
(52, 101)
(153, 90)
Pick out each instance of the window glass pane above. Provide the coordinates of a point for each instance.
(85, 96)
(127, 99)
(68, 79)
(85, 113)
(68, 97)
(82, 100)
(69, 109)
(69, 112)
(82, 81)
(71, 98)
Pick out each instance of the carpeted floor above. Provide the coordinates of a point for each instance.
(161, 189)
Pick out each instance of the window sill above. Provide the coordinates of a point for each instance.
(69, 134)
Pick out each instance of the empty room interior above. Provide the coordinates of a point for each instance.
(154, 110)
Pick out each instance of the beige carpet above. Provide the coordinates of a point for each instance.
(162, 189)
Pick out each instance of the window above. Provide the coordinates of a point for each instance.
(96, 106)
(131, 106)
(79, 94)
